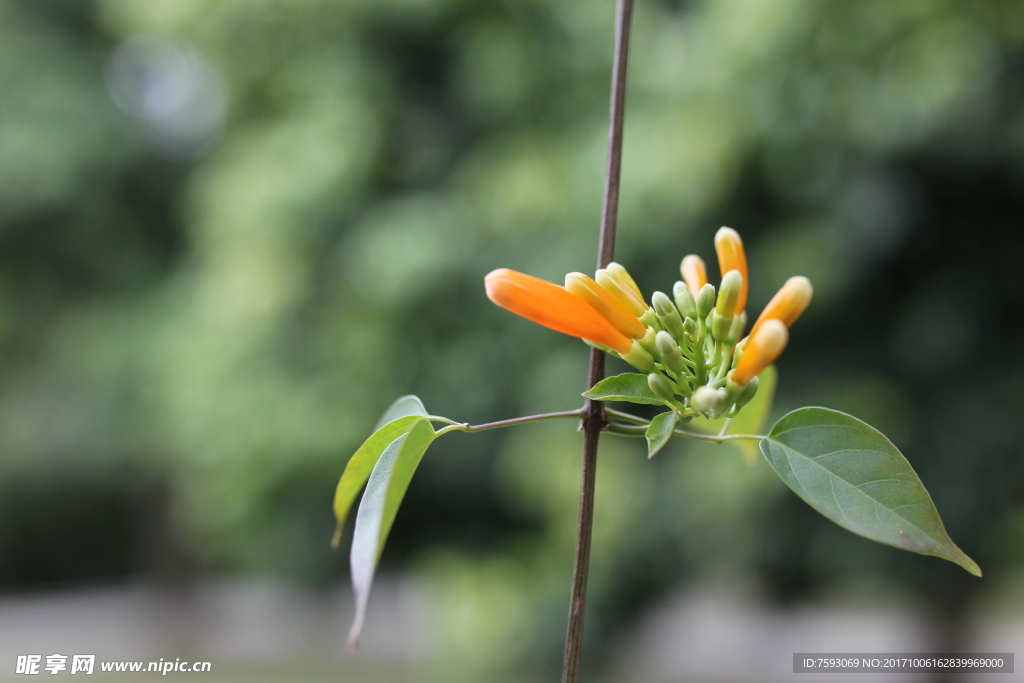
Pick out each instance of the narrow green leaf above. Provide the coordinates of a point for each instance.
(402, 407)
(628, 386)
(361, 464)
(752, 418)
(659, 432)
(385, 490)
(849, 472)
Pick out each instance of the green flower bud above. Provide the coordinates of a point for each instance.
(703, 399)
(684, 300)
(729, 293)
(736, 329)
(691, 329)
(661, 386)
(723, 403)
(705, 300)
(720, 325)
(669, 351)
(747, 393)
(667, 314)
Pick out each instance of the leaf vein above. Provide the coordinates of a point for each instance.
(876, 502)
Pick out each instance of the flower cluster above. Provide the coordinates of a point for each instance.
(691, 346)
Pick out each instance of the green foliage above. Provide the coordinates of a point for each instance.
(385, 490)
(402, 407)
(233, 324)
(659, 432)
(849, 472)
(628, 386)
(362, 462)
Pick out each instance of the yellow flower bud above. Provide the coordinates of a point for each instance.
(606, 304)
(763, 346)
(694, 272)
(731, 256)
(622, 291)
(788, 303)
(622, 275)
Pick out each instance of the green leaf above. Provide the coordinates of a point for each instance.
(361, 463)
(660, 431)
(849, 472)
(752, 418)
(385, 490)
(402, 407)
(628, 386)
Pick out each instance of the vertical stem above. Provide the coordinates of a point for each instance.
(594, 419)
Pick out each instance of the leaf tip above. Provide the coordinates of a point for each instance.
(336, 538)
(356, 631)
(970, 565)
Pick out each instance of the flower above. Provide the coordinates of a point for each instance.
(620, 273)
(694, 273)
(623, 288)
(731, 256)
(613, 310)
(763, 346)
(788, 303)
(547, 304)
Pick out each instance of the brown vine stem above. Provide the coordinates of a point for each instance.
(594, 419)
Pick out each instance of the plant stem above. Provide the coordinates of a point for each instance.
(594, 420)
(626, 416)
(640, 430)
(465, 427)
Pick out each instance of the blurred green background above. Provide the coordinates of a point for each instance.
(233, 231)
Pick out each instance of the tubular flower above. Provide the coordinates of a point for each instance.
(613, 310)
(694, 272)
(763, 346)
(620, 273)
(731, 256)
(623, 291)
(555, 307)
(788, 303)
(690, 348)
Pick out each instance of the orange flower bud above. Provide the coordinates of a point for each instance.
(695, 273)
(731, 256)
(763, 346)
(606, 304)
(788, 303)
(555, 307)
(622, 291)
